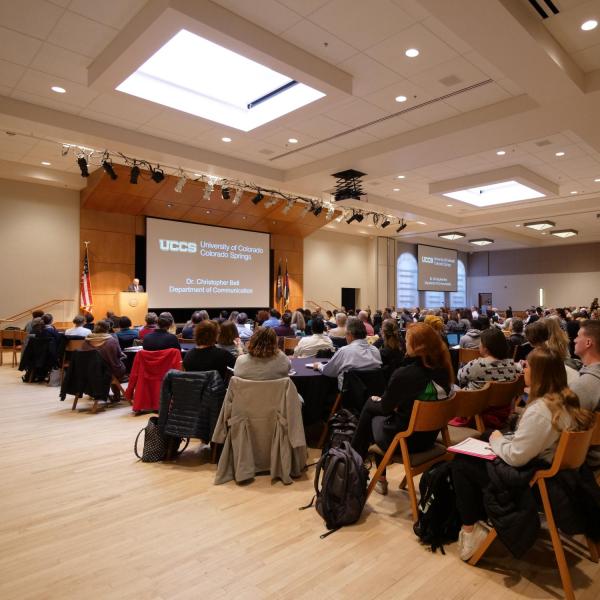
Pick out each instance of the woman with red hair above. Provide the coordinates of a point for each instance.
(425, 374)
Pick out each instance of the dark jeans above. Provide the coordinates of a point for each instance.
(363, 436)
(470, 477)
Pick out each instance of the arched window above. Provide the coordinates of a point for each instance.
(458, 299)
(407, 294)
(434, 299)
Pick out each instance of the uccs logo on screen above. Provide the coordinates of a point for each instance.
(427, 259)
(178, 246)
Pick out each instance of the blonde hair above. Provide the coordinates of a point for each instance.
(558, 340)
(298, 320)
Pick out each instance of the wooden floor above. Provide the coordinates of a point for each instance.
(82, 518)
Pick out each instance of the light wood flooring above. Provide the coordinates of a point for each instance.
(81, 518)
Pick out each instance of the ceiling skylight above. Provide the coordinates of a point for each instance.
(196, 76)
(540, 225)
(496, 193)
(564, 233)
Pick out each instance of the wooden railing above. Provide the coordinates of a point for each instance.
(27, 312)
(322, 304)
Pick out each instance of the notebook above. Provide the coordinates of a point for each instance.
(473, 447)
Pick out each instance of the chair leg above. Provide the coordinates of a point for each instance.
(563, 568)
(75, 400)
(213, 453)
(410, 482)
(382, 465)
(593, 548)
(334, 409)
(403, 483)
(94, 406)
(489, 540)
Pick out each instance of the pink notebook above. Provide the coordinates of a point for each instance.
(473, 447)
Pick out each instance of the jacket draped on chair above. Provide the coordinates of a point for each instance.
(261, 428)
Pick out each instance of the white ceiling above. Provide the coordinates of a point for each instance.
(540, 82)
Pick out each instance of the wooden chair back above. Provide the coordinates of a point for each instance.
(74, 345)
(504, 392)
(471, 402)
(290, 344)
(431, 416)
(466, 355)
(570, 453)
(595, 441)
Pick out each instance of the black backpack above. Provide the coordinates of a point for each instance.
(438, 522)
(343, 487)
(341, 426)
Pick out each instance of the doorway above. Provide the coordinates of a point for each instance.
(349, 298)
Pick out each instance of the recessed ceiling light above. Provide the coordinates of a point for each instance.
(396, 189)
(544, 233)
(197, 175)
(518, 225)
(58, 89)
(589, 25)
(597, 180)
(208, 212)
(449, 205)
(226, 139)
(574, 192)
(481, 242)
(412, 53)
(293, 141)
(46, 163)
(495, 193)
(452, 235)
(501, 152)
(401, 177)
(540, 225)
(192, 74)
(559, 154)
(421, 223)
(564, 233)
(169, 205)
(401, 98)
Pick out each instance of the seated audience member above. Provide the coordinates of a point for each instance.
(273, 320)
(112, 319)
(89, 321)
(206, 356)
(108, 347)
(36, 314)
(285, 329)
(244, 327)
(228, 339)
(587, 348)
(493, 365)
(452, 323)
(377, 321)
(187, 333)
(532, 316)
(536, 334)
(552, 408)
(358, 354)
(392, 350)
(426, 373)
(329, 319)
(264, 359)
(406, 317)
(261, 317)
(49, 329)
(126, 333)
(465, 320)
(516, 337)
(311, 344)
(340, 329)
(223, 316)
(363, 315)
(161, 339)
(471, 338)
(233, 315)
(298, 323)
(79, 330)
(150, 326)
(436, 323)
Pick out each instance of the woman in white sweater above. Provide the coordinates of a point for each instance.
(553, 408)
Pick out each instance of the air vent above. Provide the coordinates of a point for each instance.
(388, 117)
(450, 80)
(544, 8)
(543, 143)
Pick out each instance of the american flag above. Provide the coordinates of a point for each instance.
(86, 285)
(286, 285)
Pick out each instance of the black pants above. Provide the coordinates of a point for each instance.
(470, 477)
(363, 436)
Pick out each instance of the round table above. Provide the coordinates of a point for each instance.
(317, 390)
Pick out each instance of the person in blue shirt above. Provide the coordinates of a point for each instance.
(126, 333)
(274, 319)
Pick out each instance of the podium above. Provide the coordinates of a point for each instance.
(133, 305)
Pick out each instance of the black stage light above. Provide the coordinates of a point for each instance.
(402, 226)
(258, 198)
(385, 223)
(83, 166)
(158, 175)
(225, 193)
(359, 217)
(317, 210)
(107, 166)
(354, 217)
(135, 173)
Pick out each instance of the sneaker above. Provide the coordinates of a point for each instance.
(469, 542)
(381, 487)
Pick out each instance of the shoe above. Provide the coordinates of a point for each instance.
(469, 542)
(381, 487)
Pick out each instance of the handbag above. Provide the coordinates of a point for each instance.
(156, 444)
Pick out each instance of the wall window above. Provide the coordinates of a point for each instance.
(434, 299)
(458, 299)
(407, 294)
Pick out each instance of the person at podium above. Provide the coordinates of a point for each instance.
(135, 286)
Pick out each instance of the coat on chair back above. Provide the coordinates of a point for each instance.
(261, 428)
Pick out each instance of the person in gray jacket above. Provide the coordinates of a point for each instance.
(471, 338)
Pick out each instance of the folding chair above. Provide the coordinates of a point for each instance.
(505, 392)
(570, 454)
(425, 416)
(71, 346)
(466, 355)
(469, 404)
